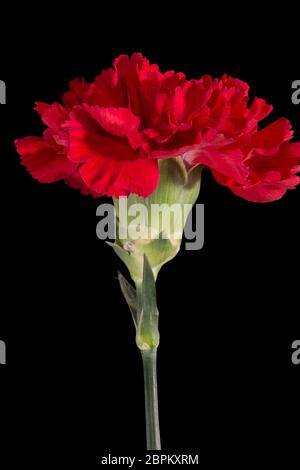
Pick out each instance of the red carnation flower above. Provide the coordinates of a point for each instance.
(107, 136)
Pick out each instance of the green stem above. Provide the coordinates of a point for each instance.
(151, 401)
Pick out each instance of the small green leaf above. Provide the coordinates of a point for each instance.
(130, 296)
(148, 290)
(147, 335)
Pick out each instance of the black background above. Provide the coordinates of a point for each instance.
(72, 387)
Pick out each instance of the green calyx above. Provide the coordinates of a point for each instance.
(153, 227)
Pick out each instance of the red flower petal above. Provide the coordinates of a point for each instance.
(76, 182)
(43, 161)
(78, 93)
(108, 91)
(120, 178)
(87, 145)
(129, 70)
(271, 173)
(290, 151)
(271, 188)
(272, 136)
(259, 109)
(224, 157)
(41, 107)
(53, 115)
(117, 121)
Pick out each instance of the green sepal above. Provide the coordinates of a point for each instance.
(129, 294)
(147, 334)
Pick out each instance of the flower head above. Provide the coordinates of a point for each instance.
(106, 137)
